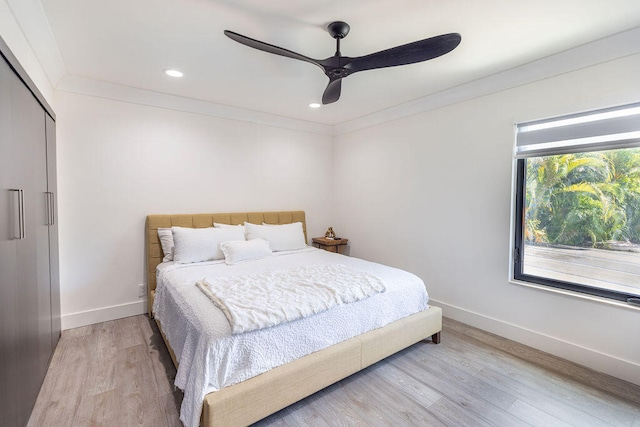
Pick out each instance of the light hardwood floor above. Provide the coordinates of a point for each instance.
(119, 373)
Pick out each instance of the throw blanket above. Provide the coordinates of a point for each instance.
(267, 299)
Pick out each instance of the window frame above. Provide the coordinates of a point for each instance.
(518, 251)
(610, 128)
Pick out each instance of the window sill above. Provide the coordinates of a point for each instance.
(576, 295)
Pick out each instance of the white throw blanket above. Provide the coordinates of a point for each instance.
(266, 299)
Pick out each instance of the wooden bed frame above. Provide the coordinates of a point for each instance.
(251, 400)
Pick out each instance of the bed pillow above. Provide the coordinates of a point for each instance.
(166, 241)
(285, 237)
(237, 251)
(201, 244)
(221, 225)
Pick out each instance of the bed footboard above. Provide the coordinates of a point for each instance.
(251, 400)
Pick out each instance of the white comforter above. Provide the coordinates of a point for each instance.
(211, 357)
(266, 299)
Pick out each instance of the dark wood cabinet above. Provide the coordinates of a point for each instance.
(29, 283)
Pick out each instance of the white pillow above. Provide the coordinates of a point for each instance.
(286, 237)
(220, 225)
(201, 244)
(236, 251)
(166, 241)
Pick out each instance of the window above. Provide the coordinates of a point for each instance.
(577, 204)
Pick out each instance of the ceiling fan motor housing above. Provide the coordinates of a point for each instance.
(338, 29)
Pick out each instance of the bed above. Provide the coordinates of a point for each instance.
(249, 400)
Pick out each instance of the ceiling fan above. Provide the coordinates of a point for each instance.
(338, 67)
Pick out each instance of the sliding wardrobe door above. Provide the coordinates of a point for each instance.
(41, 230)
(30, 155)
(52, 185)
(10, 230)
(29, 297)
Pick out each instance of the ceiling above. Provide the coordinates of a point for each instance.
(130, 43)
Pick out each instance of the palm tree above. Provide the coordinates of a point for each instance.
(624, 187)
(578, 199)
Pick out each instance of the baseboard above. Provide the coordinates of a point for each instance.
(104, 314)
(606, 363)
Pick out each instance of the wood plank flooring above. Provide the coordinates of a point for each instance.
(116, 373)
(119, 373)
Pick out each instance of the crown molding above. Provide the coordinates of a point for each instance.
(108, 90)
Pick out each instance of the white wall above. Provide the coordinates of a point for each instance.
(431, 193)
(118, 162)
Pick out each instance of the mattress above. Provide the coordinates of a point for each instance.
(210, 357)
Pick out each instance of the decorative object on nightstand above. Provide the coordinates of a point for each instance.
(337, 244)
(330, 234)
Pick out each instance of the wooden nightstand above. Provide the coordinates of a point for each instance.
(331, 245)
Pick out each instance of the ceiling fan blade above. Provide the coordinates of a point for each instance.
(410, 53)
(266, 47)
(332, 92)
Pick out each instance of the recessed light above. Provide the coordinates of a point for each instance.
(315, 105)
(173, 73)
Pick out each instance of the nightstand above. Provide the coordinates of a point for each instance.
(331, 245)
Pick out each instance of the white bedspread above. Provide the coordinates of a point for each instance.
(211, 357)
(269, 298)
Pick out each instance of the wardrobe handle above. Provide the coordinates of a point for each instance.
(19, 236)
(50, 208)
(47, 201)
(21, 229)
(53, 208)
(24, 226)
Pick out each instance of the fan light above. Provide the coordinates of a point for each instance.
(315, 105)
(173, 73)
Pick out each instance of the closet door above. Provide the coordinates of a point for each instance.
(42, 200)
(29, 284)
(9, 231)
(30, 157)
(52, 185)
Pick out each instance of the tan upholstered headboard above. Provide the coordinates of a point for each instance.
(154, 250)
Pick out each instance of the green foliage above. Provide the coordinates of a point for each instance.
(583, 199)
